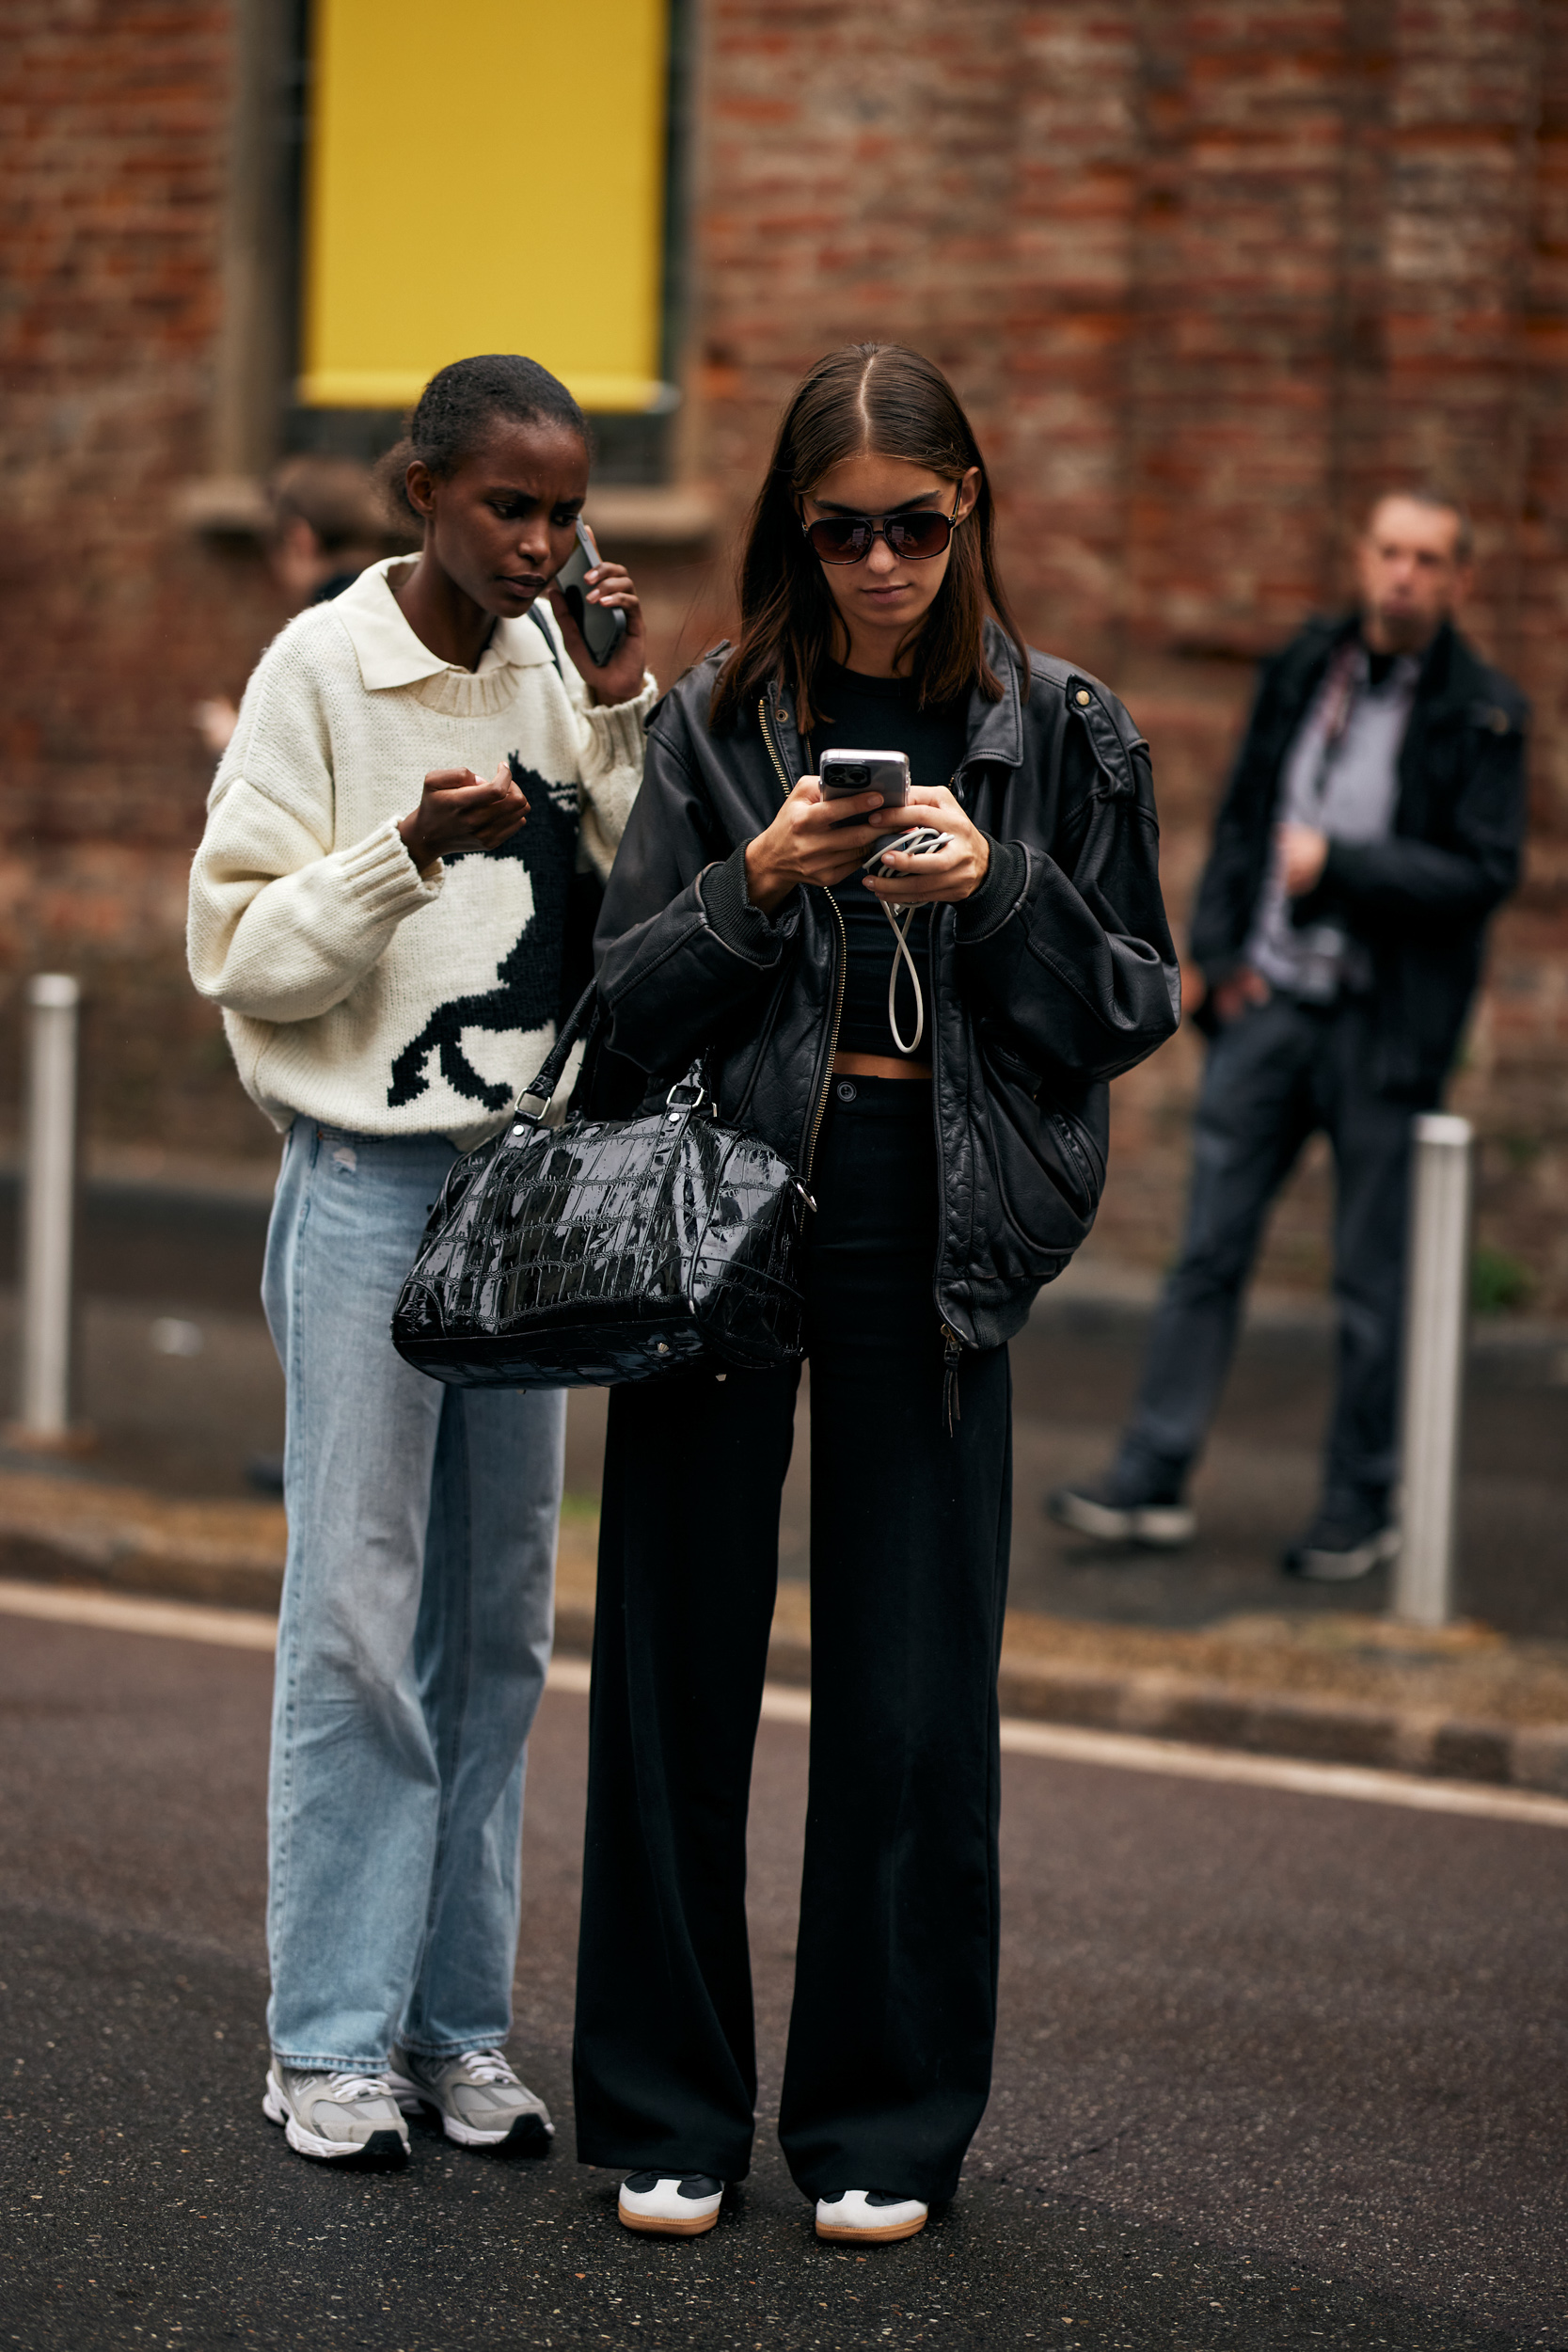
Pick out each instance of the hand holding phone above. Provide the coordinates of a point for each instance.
(602, 628)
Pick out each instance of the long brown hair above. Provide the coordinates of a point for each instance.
(887, 400)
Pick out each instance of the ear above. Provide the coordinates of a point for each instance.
(968, 490)
(420, 484)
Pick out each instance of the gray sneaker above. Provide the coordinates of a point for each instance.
(481, 2102)
(336, 2115)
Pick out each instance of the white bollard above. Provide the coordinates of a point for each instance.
(49, 1212)
(1436, 1319)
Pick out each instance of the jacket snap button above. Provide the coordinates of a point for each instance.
(664, 1347)
(1082, 696)
(783, 716)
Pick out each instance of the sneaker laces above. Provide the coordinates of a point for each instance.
(488, 2066)
(345, 2088)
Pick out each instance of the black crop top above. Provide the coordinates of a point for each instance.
(878, 714)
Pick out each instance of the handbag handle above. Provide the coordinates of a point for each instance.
(582, 1021)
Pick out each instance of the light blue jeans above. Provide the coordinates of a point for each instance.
(414, 1638)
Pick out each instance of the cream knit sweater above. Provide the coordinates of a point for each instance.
(355, 990)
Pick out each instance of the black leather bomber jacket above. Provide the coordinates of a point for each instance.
(1055, 976)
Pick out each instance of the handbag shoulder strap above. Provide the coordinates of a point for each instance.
(582, 1021)
(544, 628)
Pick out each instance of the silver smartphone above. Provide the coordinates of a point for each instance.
(602, 631)
(843, 773)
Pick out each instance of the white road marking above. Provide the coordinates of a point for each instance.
(116, 1612)
(1061, 1743)
(1127, 1753)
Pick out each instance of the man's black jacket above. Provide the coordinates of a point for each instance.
(1057, 973)
(1420, 898)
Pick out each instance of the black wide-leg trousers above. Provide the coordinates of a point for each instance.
(889, 2059)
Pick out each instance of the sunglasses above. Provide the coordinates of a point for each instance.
(914, 538)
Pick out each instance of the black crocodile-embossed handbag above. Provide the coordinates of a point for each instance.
(595, 1252)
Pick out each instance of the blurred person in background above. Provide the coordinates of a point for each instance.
(391, 975)
(1373, 823)
(954, 1145)
(328, 520)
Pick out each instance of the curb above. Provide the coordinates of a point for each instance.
(1171, 1706)
(1150, 1703)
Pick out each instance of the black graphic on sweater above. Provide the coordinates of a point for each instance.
(527, 993)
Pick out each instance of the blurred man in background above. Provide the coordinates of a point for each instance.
(1373, 825)
(328, 522)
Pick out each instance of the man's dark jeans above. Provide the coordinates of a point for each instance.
(1275, 1075)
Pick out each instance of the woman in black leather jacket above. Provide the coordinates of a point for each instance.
(954, 1142)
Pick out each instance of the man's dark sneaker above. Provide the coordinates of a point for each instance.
(1109, 1513)
(1341, 1546)
(334, 2115)
(670, 2205)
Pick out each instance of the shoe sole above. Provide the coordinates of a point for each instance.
(1157, 1526)
(845, 2233)
(653, 2225)
(382, 2148)
(528, 2136)
(1346, 1567)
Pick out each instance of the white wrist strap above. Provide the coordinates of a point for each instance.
(901, 933)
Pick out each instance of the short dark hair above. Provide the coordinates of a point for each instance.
(894, 402)
(1428, 494)
(460, 403)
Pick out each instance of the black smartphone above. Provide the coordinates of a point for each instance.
(602, 631)
(842, 773)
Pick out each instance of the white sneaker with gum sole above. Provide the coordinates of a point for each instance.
(868, 2218)
(670, 2205)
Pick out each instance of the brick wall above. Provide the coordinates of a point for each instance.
(1207, 275)
(116, 621)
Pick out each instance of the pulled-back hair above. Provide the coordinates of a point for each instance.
(459, 406)
(883, 400)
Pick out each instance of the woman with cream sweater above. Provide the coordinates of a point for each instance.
(388, 959)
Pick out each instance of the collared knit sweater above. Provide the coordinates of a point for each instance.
(355, 989)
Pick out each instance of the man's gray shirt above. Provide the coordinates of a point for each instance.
(1341, 777)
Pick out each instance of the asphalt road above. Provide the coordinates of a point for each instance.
(1274, 2070)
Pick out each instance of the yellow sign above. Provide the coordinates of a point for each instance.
(484, 177)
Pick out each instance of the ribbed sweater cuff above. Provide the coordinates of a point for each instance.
(742, 927)
(383, 877)
(617, 727)
(987, 909)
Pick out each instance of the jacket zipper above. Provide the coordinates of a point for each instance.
(772, 748)
(952, 1356)
(832, 1034)
(952, 1345)
(1063, 1128)
(842, 959)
